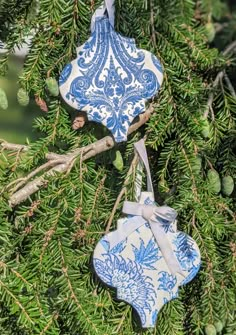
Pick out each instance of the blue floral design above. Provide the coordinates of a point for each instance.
(166, 225)
(148, 255)
(157, 63)
(154, 317)
(167, 281)
(131, 283)
(192, 273)
(135, 267)
(112, 82)
(65, 74)
(149, 201)
(186, 251)
(119, 247)
(116, 249)
(105, 243)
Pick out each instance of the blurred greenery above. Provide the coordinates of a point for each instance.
(16, 121)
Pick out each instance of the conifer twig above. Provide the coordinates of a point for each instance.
(230, 48)
(230, 86)
(22, 181)
(122, 192)
(54, 317)
(152, 21)
(65, 160)
(12, 146)
(17, 302)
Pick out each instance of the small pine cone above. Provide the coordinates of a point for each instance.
(214, 181)
(227, 185)
(218, 326)
(52, 86)
(3, 99)
(118, 161)
(41, 103)
(197, 164)
(205, 128)
(210, 330)
(23, 97)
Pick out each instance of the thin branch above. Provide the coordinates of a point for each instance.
(122, 319)
(73, 295)
(230, 48)
(215, 84)
(22, 181)
(12, 146)
(17, 302)
(88, 222)
(220, 26)
(54, 317)
(65, 161)
(152, 21)
(122, 192)
(229, 85)
(35, 185)
(48, 236)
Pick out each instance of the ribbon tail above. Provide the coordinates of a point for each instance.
(166, 248)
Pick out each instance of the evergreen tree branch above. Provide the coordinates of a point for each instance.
(215, 84)
(230, 86)
(16, 301)
(230, 48)
(54, 317)
(122, 320)
(16, 273)
(48, 236)
(13, 147)
(99, 189)
(73, 295)
(122, 192)
(22, 181)
(64, 161)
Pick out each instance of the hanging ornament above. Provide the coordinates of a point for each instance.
(146, 259)
(111, 78)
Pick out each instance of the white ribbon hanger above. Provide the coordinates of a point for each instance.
(107, 6)
(152, 214)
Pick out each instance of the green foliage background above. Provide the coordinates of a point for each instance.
(47, 285)
(16, 122)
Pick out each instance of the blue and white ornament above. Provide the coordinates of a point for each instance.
(111, 78)
(146, 259)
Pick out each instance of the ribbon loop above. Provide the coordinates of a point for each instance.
(107, 6)
(157, 217)
(142, 152)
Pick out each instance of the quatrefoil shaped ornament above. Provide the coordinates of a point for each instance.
(111, 78)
